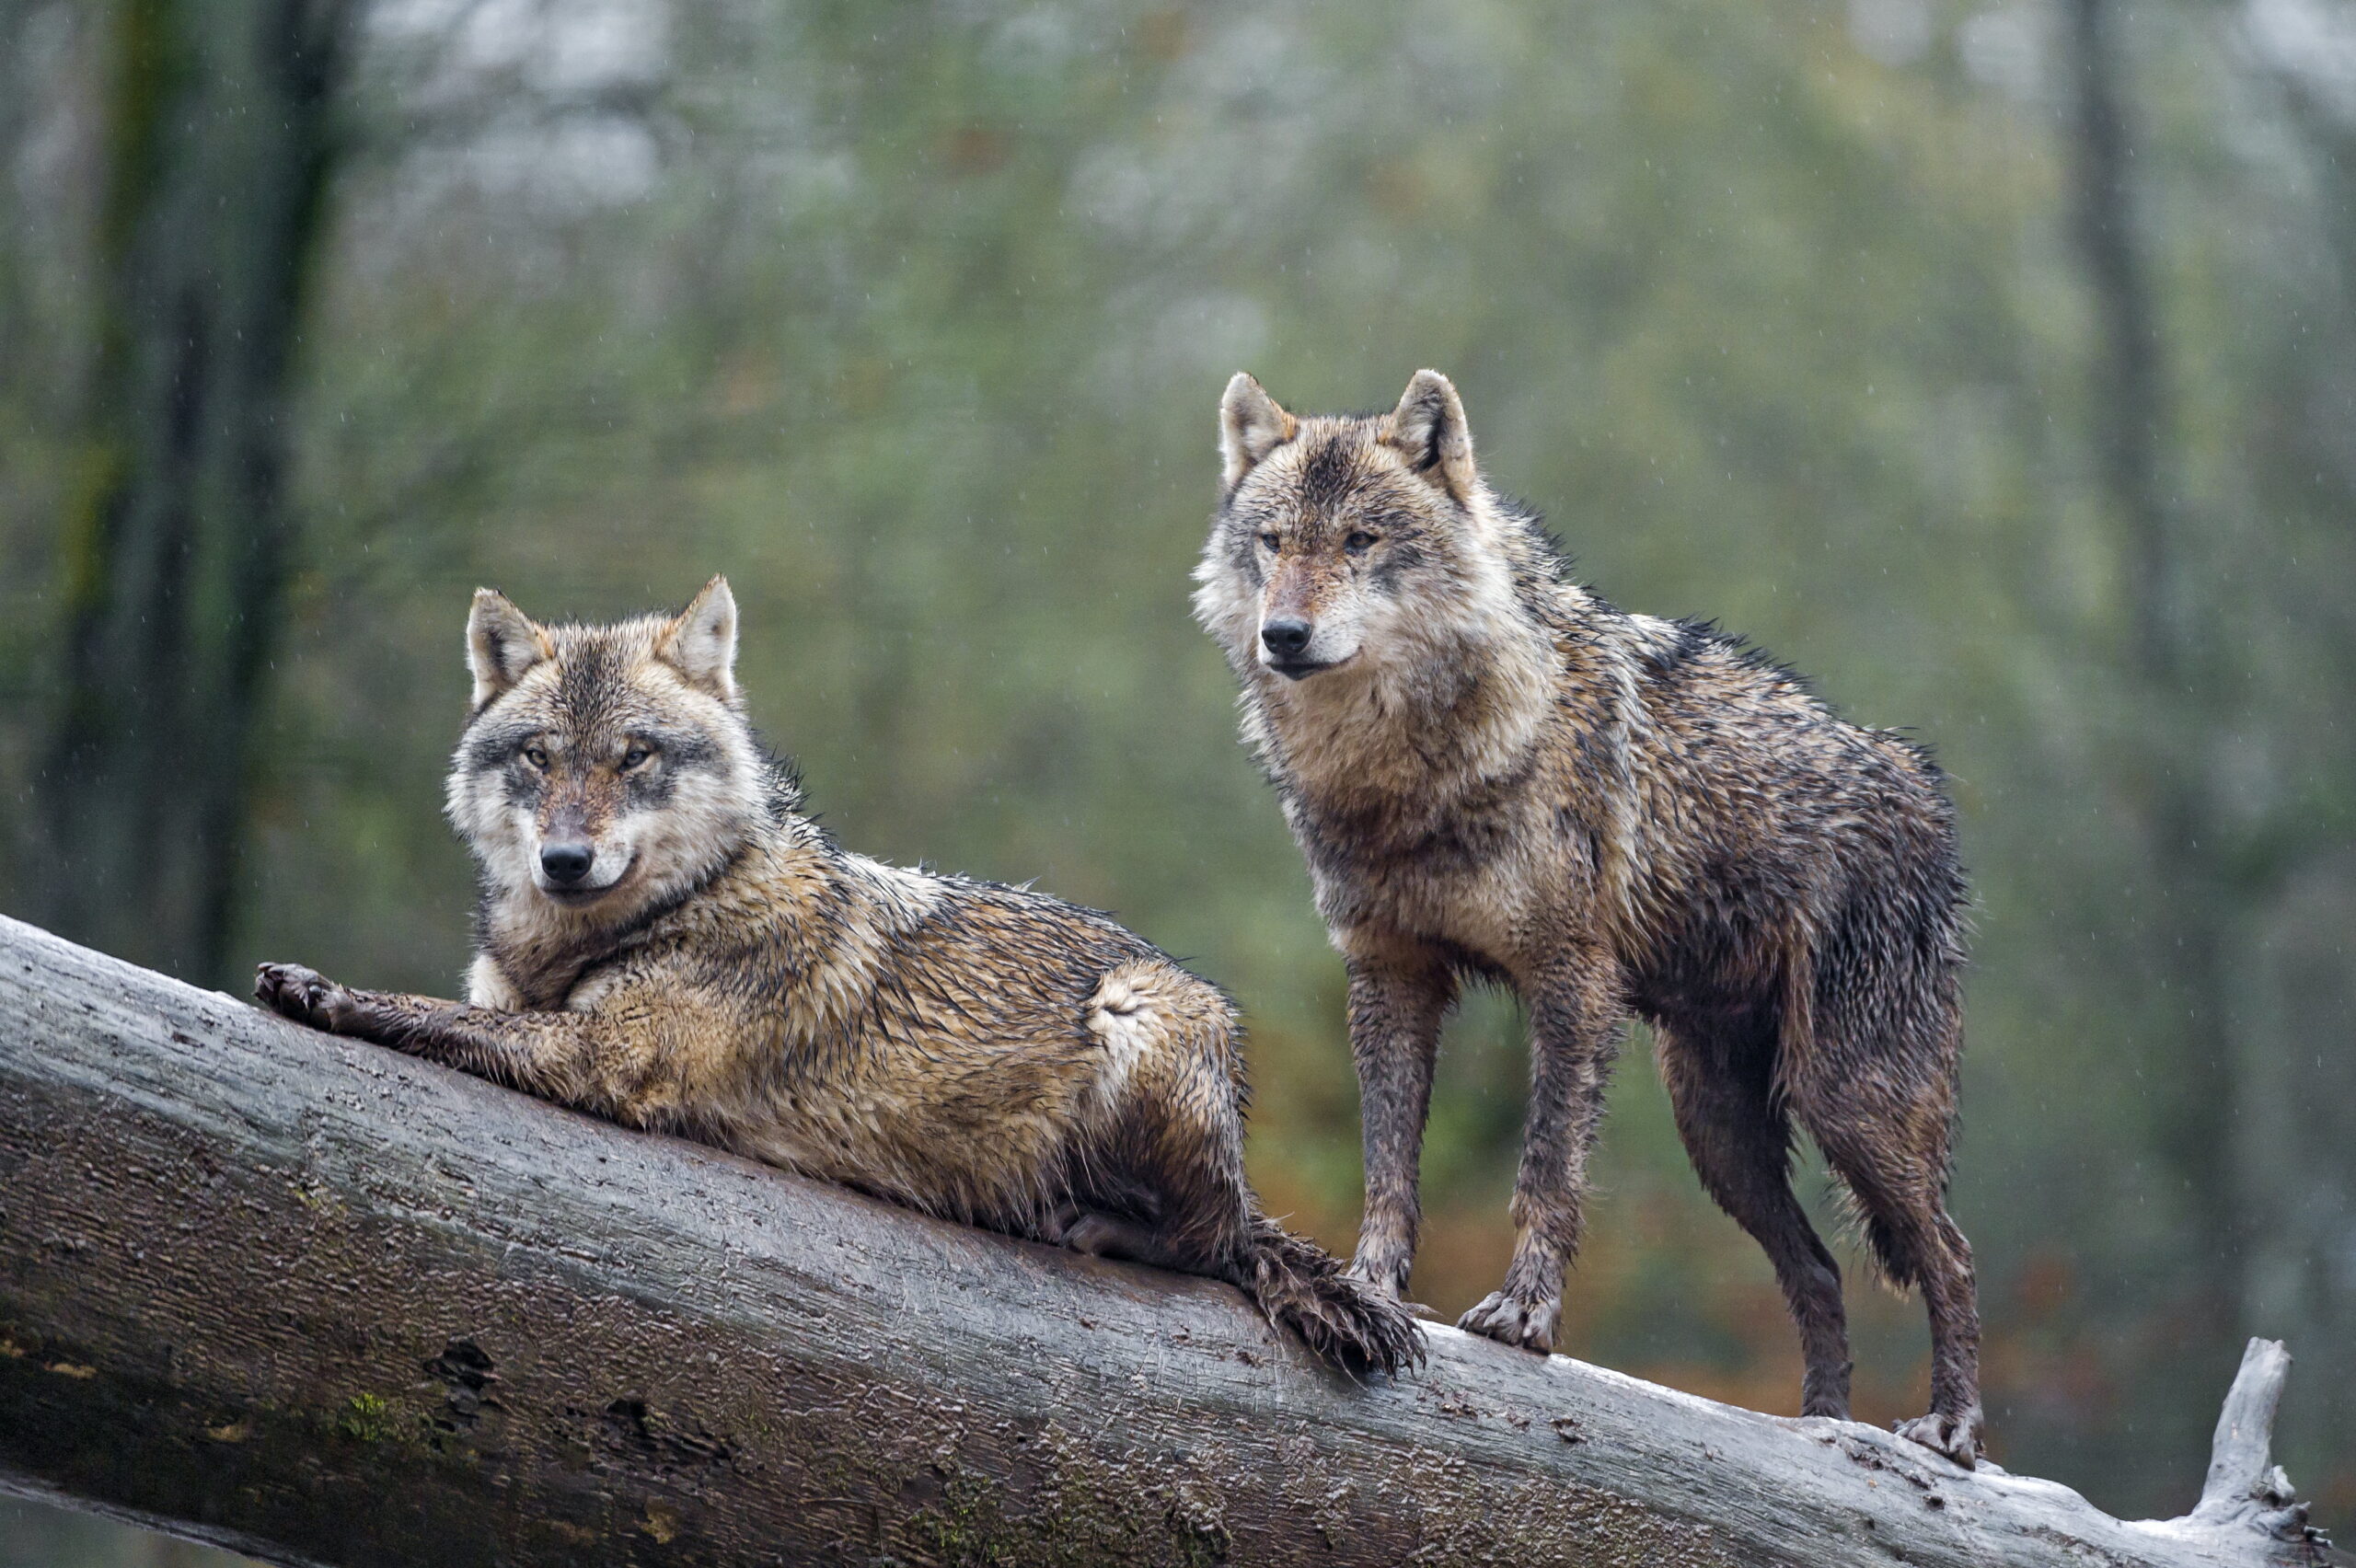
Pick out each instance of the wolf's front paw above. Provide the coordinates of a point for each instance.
(304, 995)
(1957, 1436)
(1530, 1324)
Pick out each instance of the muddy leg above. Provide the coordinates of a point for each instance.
(1574, 1025)
(1901, 1191)
(1875, 1087)
(1398, 999)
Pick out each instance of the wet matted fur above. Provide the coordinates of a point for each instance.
(664, 940)
(1494, 775)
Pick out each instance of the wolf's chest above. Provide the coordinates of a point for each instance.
(1470, 880)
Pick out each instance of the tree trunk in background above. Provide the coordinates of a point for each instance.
(2192, 1065)
(217, 125)
(2130, 403)
(2298, 1166)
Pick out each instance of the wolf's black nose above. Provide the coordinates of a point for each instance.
(1286, 639)
(566, 863)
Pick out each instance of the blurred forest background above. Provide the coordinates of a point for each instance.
(1990, 360)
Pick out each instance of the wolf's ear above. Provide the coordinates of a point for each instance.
(702, 643)
(502, 643)
(1428, 426)
(1249, 427)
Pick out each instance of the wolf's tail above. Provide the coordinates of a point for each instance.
(1340, 1317)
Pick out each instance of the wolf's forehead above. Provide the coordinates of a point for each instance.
(594, 676)
(602, 677)
(1331, 473)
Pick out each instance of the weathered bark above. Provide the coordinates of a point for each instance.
(218, 124)
(325, 1303)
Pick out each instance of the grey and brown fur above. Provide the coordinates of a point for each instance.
(1496, 775)
(666, 940)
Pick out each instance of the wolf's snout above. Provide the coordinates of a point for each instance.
(565, 864)
(1286, 637)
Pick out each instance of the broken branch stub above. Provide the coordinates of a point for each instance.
(2245, 1488)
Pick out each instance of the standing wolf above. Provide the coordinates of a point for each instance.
(665, 940)
(1496, 776)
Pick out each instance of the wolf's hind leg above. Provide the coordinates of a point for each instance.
(1917, 1243)
(1574, 1022)
(1720, 1087)
(1878, 1096)
(1179, 1136)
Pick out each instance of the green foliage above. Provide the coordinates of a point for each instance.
(366, 1418)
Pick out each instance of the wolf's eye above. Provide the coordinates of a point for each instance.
(536, 758)
(1268, 541)
(635, 757)
(1359, 542)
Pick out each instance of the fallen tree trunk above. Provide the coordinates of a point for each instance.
(324, 1303)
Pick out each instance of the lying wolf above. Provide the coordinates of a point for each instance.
(665, 940)
(1496, 776)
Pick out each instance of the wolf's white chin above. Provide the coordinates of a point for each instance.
(1300, 672)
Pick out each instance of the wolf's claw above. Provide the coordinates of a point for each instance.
(304, 995)
(1530, 1324)
(1957, 1436)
